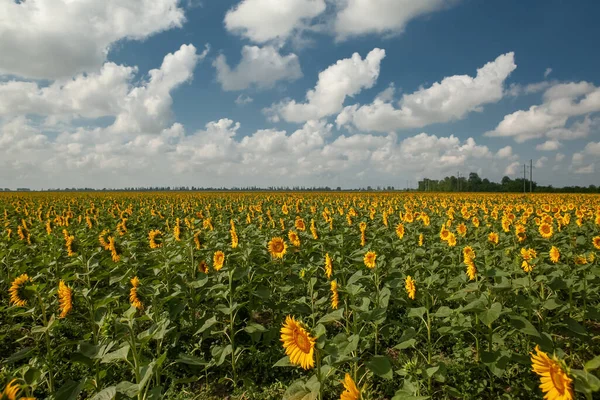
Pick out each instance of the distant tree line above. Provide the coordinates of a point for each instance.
(474, 183)
(209, 189)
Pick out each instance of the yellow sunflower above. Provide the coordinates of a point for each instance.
(328, 266)
(350, 392)
(277, 247)
(451, 239)
(65, 299)
(133, 294)
(400, 231)
(471, 269)
(299, 345)
(334, 295)
(294, 238)
(10, 391)
(218, 260)
(299, 224)
(493, 238)
(369, 259)
(554, 379)
(154, 236)
(420, 240)
(596, 242)
(411, 289)
(203, 267)
(546, 230)
(15, 287)
(554, 254)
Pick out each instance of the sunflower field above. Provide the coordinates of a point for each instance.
(299, 296)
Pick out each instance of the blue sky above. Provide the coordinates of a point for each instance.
(80, 107)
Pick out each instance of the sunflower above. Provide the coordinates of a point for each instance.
(103, 240)
(277, 247)
(328, 266)
(471, 269)
(350, 392)
(234, 239)
(493, 238)
(468, 253)
(299, 224)
(461, 229)
(298, 344)
(153, 237)
(596, 242)
(113, 249)
(554, 379)
(313, 229)
(444, 233)
(400, 231)
(133, 294)
(369, 259)
(335, 298)
(554, 254)
(203, 267)
(409, 285)
(65, 299)
(546, 230)
(420, 239)
(218, 259)
(15, 287)
(294, 238)
(526, 266)
(451, 240)
(197, 240)
(10, 391)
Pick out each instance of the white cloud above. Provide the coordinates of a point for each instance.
(271, 20)
(540, 162)
(260, 67)
(359, 17)
(577, 159)
(451, 99)
(49, 39)
(512, 169)
(345, 78)
(243, 99)
(559, 157)
(588, 169)
(505, 152)
(592, 148)
(561, 102)
(548, 145)
(547, 72)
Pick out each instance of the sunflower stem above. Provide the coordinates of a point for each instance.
(48, 347)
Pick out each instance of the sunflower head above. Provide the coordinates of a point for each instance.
(554, 378)
(596, 242)
(409, 285)
(493, 238)
(10, 391)
(218, 260)
(299, 345)
(400, 231)
(546, 230)
(277, 247)
(369, 259)
(294, 238)
(17, 290)
(350, 392)
(554, 254)
(65, 299)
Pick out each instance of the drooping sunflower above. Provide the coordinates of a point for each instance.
(471, 269)
(277, 247)
(299, 224)
(113, 249)
(369, 259)
(596, 242)
(420, 240)
(328, 266)
(554, 378)
(203, 267)
(17, 285)
(134, 299)
(197, 240)
(409, 286)
(102, 238)
(546, 230)
(294, 238)
(65, 299)
(526, 266)
(335, 298)
(234, 239)
(154, 238)
(218, 260)
(400, 231)
(299, 345)
(313, 229)
(468, 253)
(554, 254)
(350, 392)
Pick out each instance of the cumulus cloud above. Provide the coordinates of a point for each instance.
(548, 145)
(505, 152)
(243, 99)
(512, 168)
(260, 67)
(592, 148)
(451, 99)
(49, 39)
(345, 78)
(561, 102)
(360, 17)
(540, 162)
(271, 20)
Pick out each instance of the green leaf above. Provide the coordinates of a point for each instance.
(283, 362)
(120, 354)
(190, 360)
(253, 327)
(593, 364)
(332, 316)
(523, 325)
(299, 391)
(207, 324)
(69, 391)
(106, 394)
(380, 366)
(19, 355)
(406, 340)
(417, 312)
(490, 315)
(443, 312)
(127, 388)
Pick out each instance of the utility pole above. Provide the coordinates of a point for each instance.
(531, 176)
(524, 178)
